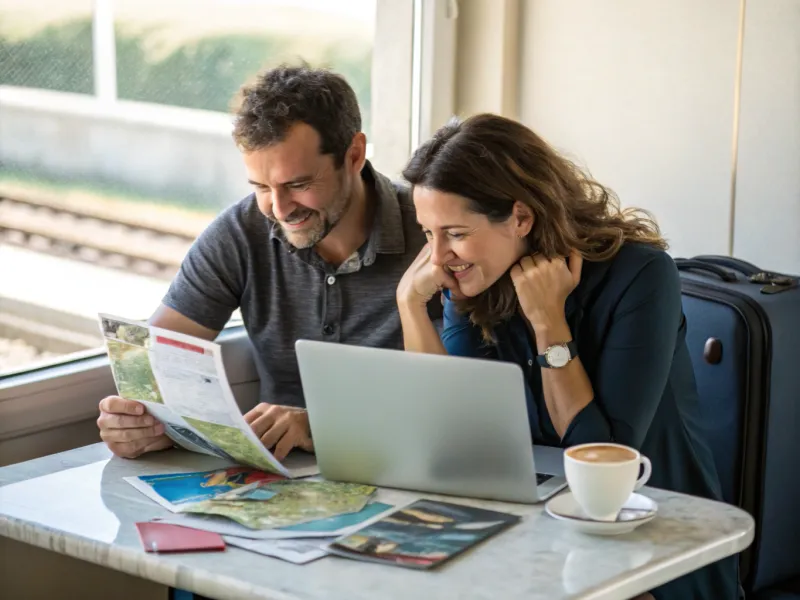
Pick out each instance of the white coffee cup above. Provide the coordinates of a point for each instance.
(602, 476)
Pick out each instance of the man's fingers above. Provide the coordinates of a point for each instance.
(131, 434)
(275, 433)
(115, 404)
(285, 445)
(260, 409)
(251, 415)
(161, 442)
(118, 421)
(138, 447)
(263, 423)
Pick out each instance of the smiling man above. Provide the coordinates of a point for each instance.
(315, 253)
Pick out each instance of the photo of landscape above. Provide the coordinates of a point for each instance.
(133, 374)
(233, 442)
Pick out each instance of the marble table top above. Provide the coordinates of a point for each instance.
(76, 503)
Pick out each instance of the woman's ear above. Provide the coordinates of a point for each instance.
(522, 218)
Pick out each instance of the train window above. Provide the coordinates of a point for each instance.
(116, 145)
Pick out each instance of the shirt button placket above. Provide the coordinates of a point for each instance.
(333, 310)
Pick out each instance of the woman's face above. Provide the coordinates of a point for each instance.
(476, 251)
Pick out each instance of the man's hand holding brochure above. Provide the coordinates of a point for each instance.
(181, 381)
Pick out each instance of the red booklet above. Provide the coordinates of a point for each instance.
(163, 537)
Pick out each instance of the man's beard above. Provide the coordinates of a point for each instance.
(320, 225)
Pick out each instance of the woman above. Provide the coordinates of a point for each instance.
(540, 267)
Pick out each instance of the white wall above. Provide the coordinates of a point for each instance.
(768, 174)
(641, 92)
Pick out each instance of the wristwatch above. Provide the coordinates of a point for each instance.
(558, 355)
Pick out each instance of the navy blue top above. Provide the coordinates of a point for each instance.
(627, 320)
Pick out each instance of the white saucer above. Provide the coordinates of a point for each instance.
(636, 511)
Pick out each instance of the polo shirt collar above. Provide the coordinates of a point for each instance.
(387, 235)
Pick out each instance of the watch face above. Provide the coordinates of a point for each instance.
(557, 356)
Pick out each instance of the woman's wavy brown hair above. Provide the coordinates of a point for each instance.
(493, 162)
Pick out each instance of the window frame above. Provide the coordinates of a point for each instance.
(409, 109)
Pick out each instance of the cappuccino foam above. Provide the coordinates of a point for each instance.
(601, 454)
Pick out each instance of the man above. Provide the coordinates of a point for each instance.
(315, 253)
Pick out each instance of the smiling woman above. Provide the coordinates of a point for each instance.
(544, 270)
(489, 191)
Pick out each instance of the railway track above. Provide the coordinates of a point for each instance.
(140, 243)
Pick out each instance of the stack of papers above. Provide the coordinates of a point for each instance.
(262, 512)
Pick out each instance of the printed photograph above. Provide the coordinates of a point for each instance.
(295, 502)
(125, 332)
(183, 488)
(233, 442)
(133, 374)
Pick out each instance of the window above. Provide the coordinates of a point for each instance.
(116, 143)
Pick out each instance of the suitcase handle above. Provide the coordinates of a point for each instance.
(775, 282)
(734, 264)
(684, 264)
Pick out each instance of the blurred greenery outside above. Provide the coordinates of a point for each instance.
(203, 73)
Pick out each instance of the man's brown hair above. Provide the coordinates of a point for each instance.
(281, 97)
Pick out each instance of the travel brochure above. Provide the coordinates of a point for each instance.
(422, 535)
(181, 381)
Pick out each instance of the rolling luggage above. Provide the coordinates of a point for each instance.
(743, 335)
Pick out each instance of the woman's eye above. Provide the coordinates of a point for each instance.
(456, 236)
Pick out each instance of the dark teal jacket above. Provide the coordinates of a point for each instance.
(627, 320)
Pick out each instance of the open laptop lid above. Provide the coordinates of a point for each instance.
(418, 421)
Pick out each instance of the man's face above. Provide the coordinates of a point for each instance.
(298, 188)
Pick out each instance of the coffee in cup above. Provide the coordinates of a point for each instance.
(602, 476)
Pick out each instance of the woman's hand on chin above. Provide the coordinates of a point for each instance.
(422, 280)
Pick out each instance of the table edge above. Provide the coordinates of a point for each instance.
(655, 574)
(134, 561)
(130, 560)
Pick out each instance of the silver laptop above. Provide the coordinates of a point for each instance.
(423, 422)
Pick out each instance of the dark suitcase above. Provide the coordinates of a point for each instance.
(743, 334)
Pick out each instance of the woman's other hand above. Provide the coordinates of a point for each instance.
(542, 287)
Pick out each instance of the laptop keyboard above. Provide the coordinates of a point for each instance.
(541, 478)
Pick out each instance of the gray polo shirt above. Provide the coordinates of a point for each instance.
(242, 260)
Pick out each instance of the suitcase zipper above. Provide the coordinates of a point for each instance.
(759, 352)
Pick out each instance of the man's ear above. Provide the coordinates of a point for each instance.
(523, 219)
(357, 153)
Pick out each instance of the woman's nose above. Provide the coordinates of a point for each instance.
(440, 253)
